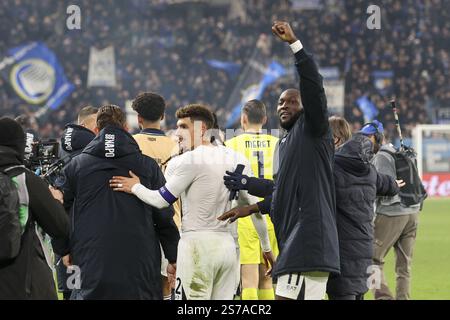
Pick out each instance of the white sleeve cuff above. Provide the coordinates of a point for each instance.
(260, 223)
(296, 46)
(135, 188)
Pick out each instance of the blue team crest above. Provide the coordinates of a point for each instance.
(33, 80)
(36, 75)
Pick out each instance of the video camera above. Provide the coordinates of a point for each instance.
(44, 161)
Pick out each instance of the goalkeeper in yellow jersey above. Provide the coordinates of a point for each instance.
(259, 149)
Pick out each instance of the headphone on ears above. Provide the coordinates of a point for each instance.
(378, 135)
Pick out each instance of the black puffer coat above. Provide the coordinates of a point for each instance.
(303, 205)
(357, 184)
(115, 239)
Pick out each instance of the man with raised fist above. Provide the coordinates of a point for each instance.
(303, 205)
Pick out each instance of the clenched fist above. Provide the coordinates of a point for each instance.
(284, 31)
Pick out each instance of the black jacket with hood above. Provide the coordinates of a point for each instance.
(357, 185)
(115, 238)
(303, 206)
(75, 138)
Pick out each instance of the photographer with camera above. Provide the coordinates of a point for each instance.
(25, 201)
(395, 222)
(31, 136)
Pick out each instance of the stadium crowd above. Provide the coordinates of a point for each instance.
(164, 47)
(317, 183)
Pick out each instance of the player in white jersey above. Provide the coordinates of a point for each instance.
(207, 263)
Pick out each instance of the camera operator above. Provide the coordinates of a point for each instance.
(395, 223)
(31, 137)
(26, 275)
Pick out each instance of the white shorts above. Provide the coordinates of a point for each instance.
(206, 266)
(302, 286)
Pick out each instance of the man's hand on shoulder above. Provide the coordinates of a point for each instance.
(235, 181)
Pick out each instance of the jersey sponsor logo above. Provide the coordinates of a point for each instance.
(290, 287)
(110, 145)
(68, 139)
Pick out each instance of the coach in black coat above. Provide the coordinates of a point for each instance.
(303, 208)
(303, 205)
(116, 238)
(357, 185)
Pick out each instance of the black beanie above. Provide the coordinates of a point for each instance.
(12, 135)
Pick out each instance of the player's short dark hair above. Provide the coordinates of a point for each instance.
(86, 112)
(197, 112)
(110, 115)
(255, 111)
(340, 128)
(150, 106)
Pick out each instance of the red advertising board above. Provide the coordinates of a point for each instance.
(437, 184)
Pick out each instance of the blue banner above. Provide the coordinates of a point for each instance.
(252, 85)
(367, 107)
(383, 81)
(231, 68)
(36, 75)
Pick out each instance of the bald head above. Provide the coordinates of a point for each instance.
(291, 91)
(289, 108)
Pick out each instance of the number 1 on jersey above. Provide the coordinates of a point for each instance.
(260, 157)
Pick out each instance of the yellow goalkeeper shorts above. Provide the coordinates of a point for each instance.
(249, 244)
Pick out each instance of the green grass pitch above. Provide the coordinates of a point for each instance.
(431, 259)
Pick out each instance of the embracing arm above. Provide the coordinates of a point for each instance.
(259, 221)
(155, 198)
(179, 177)
(260, 187)
(165, 226)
